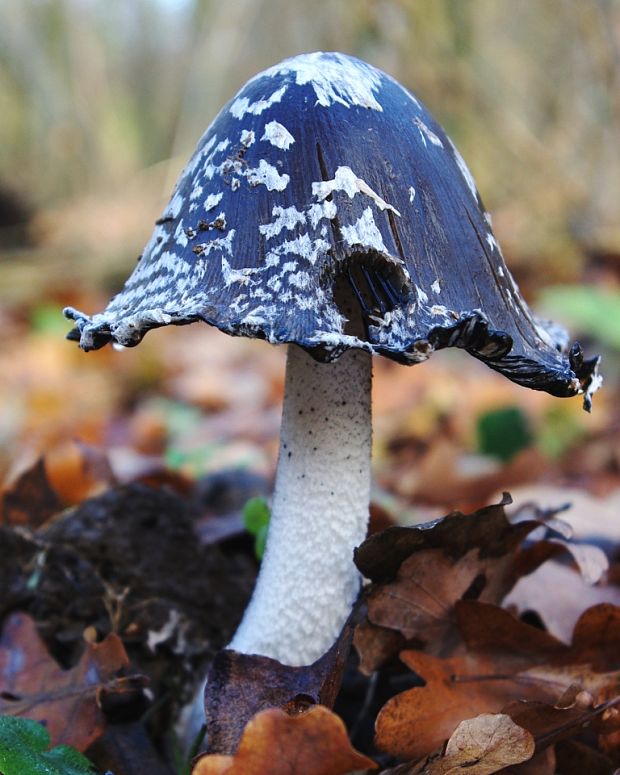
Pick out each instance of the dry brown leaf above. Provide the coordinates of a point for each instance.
(30, 500)
(78, 471)
(418, 721)
(506, 660)
(66, 701)
(571, 597)
(596, 638)
(484, 745)
(311, 743)
(376, 646)
(241, 685)
(418, 604)
(542, 763)
(493, 630)
(549, 724)
(421, 572)
(576, 758)
(479, 746)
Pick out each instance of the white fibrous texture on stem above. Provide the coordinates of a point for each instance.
(308, 581)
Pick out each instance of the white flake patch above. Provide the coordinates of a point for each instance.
(196, 192)
(278, 135)
(284, 218)
(469, 178)
(491, 242)
(242, 105)
(435, 287)
(268, 175)
(290, 217)
(325, 209)
(302, 246)
(346, 180)
(411, 193)
(364, 232)
(230, 275)
(334, 77)
(422, 295)
(168, 629)
(247, 137)
(300, 279)
(212, 201)
(221, 243)
(500, 271)
(426, 133)
(179, 235)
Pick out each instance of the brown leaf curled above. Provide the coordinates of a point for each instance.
(314, 742)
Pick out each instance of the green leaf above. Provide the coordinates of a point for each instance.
(585, 308)
(23, 751)
(260, 541)
(256, 515)
(503, 432)
(47, 319)
(559, 430)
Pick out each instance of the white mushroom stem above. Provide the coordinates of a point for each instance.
(308, 582)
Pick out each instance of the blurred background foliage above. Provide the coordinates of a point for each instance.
(102, 102)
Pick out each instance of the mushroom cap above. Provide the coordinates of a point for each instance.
(325, 206)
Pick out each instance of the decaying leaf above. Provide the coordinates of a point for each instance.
(68, 702)
(421, 572)
(78, 471)
(30, 500)
(560, 609)
(576, 758)
(241, 685)
(418, 721)
(483, 745)
(314, 742)
(506, 661)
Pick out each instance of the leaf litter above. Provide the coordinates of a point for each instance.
(489, 610)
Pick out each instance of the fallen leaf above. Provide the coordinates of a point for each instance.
(30, 500)
(479, 746)
(376, 646)
(416, 722)
(421, 572)
(542, 763)
(68, 702)
(549, 724)
(571, 597)
(127, 749)
(484, 745)
(489, 629)
(77, 471)
(241, 685)
(576, 758)
(314, 742)
(596, 638)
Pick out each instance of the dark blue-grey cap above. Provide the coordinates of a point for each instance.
(325, 206)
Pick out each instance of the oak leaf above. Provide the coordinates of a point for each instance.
(68, 702)
(314, 742)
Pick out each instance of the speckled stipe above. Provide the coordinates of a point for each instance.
(325, 174)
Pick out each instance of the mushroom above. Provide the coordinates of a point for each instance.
(325, 208)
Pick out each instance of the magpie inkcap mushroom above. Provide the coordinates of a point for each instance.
(325, 208)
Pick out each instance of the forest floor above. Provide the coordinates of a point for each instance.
(126, 565)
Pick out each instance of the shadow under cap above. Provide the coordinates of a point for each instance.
(325, 206)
